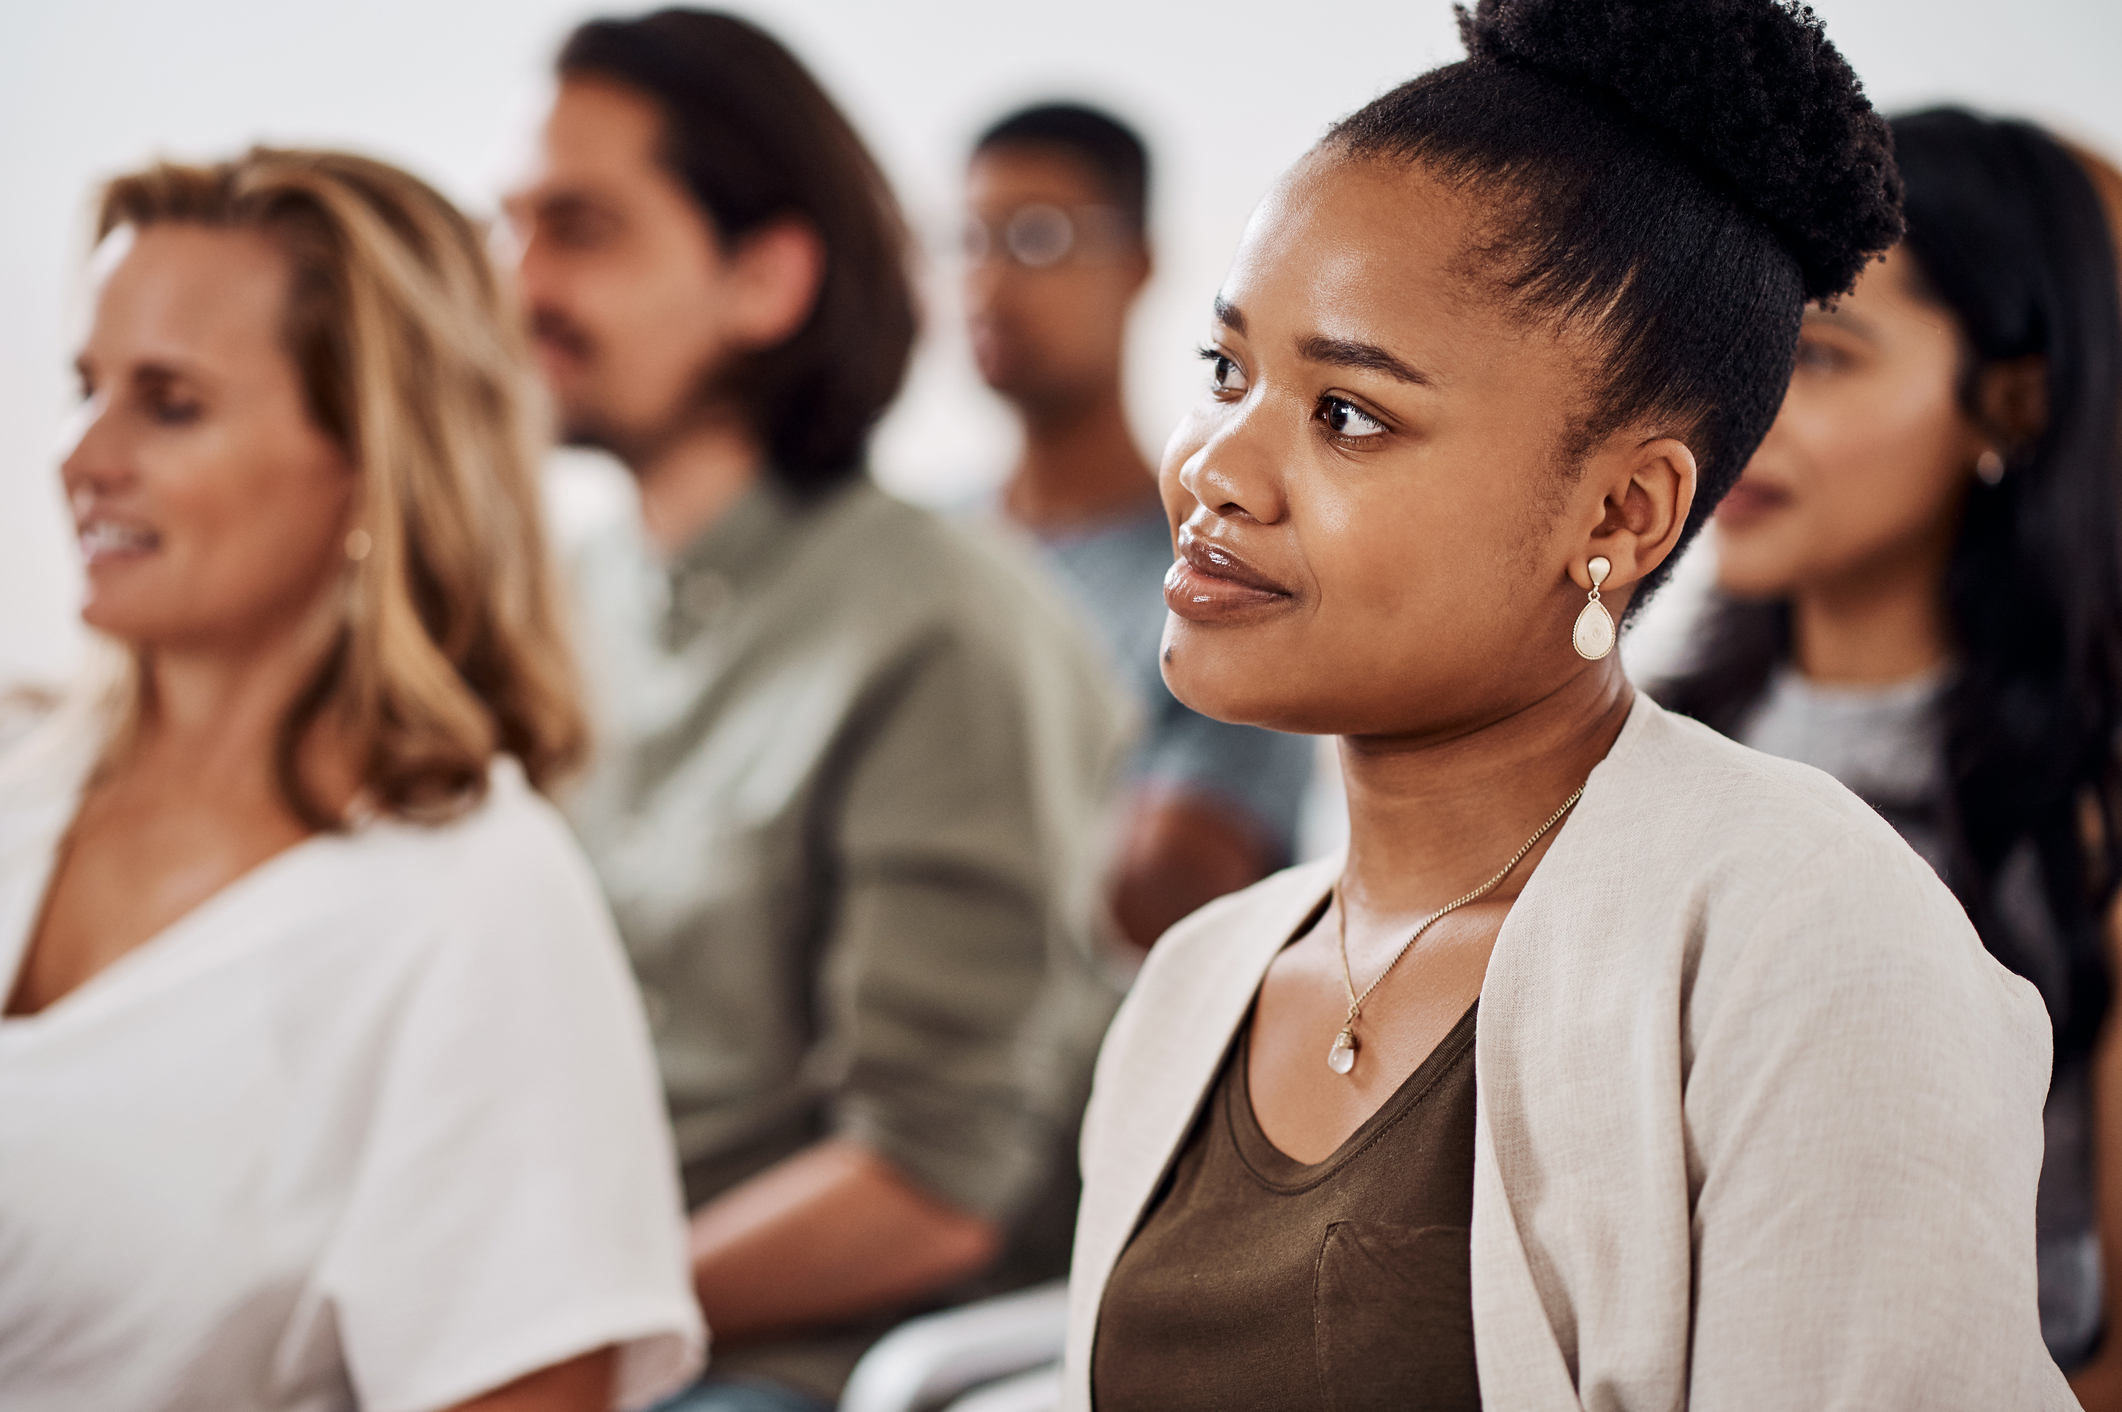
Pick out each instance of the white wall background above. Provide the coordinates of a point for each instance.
(1228, 94)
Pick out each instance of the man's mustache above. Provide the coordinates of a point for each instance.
(553, 327)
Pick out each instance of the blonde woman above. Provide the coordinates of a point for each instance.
(323, 1078)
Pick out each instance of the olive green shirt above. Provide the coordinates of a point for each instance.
(849, 806)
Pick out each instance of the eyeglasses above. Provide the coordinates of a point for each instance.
(1039, 236)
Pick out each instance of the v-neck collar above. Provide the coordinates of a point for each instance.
(1285, 1175)
(1187, 1049)
(162, 954)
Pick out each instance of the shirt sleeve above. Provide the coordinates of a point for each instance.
(1865, 1140)
(515, 1202)
(960, 1001)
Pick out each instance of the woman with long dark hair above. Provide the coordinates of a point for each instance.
(1921, 592)
(1614, 1065)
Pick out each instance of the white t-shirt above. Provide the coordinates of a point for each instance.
(377, 1125)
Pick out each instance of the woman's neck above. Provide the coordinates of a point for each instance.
(1870, 634)
(1431, 817)
(211, 717)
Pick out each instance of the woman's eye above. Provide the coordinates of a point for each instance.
(176, 413)
(1224, 375)
(1817, 357)
(1347, 419)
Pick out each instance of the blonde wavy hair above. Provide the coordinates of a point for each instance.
(411, 358)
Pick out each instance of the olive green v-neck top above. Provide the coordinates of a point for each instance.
(1260, 1282)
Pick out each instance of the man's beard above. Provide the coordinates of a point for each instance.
(708, 397)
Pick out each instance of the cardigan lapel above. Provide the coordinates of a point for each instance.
(1159, 1063)
(1522, 1357)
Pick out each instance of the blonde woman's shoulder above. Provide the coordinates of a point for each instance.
(506, 872)
(510, 837)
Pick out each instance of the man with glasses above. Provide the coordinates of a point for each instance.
(1057, 251)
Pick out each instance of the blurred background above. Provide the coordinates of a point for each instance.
(1227, 94)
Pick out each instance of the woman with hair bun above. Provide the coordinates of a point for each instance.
(1615, 1065)
(1921, 593)
(324, 1082)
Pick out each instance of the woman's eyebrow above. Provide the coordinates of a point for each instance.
(1352, 353)
(157, 374)
(1229, 315)
(1843, 319)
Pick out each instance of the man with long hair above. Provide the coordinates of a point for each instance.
(852, 765)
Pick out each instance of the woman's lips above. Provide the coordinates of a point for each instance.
(1207, 583)
(1749, 502)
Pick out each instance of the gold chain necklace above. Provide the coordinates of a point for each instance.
(1342, 1057)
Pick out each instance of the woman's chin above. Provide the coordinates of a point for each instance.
(1221, 691)
(1752, 566)
(111, 620)
(1750, 581)
(121, 618)
(1240, 689)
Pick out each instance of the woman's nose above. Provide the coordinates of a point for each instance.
(90, 459)
(1236, 470)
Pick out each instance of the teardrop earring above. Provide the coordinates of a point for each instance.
(1593, 636)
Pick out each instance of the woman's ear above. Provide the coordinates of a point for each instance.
(775, 273)
(1648, 488)
(1143, 262)
(2013, 400)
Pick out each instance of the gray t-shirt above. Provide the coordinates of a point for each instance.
(1115, 573)
(1883, 743)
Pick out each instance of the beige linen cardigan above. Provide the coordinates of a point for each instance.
(1759, 1119)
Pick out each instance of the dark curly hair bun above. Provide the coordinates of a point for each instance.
(1673, 178)
(1751, 89)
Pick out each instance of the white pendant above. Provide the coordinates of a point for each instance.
(1342, 1057)
(1594, 634)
